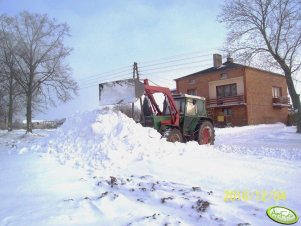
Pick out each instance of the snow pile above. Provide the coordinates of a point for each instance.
(108, 140)
(274, 140)
(104, 139)
(133, 169)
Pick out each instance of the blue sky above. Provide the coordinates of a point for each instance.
(106, 35)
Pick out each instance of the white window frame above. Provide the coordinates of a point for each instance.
(276, 92)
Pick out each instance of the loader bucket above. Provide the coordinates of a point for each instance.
(120, 92)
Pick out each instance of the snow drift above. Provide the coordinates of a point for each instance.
(130, 168)
(105, 139)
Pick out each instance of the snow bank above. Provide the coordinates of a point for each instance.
(266, 140)
(166, 182)
(251, 129)
(104, 139)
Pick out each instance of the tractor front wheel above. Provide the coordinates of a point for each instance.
(206, 133)
(173, 135)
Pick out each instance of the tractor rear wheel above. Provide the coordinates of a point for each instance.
(173, 135)
(206, 133)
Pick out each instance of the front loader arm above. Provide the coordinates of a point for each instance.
(174, 112)
(129, 90)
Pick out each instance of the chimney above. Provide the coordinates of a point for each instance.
(217, 60)
(229, 59)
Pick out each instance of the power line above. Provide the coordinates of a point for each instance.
(176, 65)
(107, 78)
(171, 61)
(114, 71)
(127, 72)
(118, 72)
(166, 79)
(163, 80)
(153, 82)
(175, 69)
(170, 83)
(191, 55)
(90, 84)
(126, 76)
(181, 55)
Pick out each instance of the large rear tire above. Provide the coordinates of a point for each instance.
(173, 135)
(206, 133)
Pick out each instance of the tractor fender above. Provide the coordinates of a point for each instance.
(197, 128)
(201, 120)
(206, 119)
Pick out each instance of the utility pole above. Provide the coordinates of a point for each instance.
(136, 76)
(140, 98)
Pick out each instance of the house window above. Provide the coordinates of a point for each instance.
(276, 92)
(226, 90)
(191, 92)
(227, 111)
(224, 75)
(191, 81)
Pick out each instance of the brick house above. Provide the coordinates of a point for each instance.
(238, 95)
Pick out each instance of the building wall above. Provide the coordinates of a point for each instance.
(259, 97)
(238, 117)
(257, 89)
(205, 85)
(202, 81)
(239, 85)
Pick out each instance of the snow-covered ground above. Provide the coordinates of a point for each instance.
(101, 168)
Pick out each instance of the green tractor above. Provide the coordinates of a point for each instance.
(183, 118)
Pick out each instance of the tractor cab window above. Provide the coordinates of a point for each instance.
(166, 110)
(191, 107)
(201, 107)
(180, 103)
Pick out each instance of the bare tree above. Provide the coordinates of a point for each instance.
(3, 105)
(11, 96)
(268, 31)
(10, 88)
(39, 52)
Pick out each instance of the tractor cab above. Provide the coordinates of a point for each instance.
(191, 108)
(190, 105)
(187, 105)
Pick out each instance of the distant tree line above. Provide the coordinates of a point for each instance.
(18, 124)
(33, 70)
